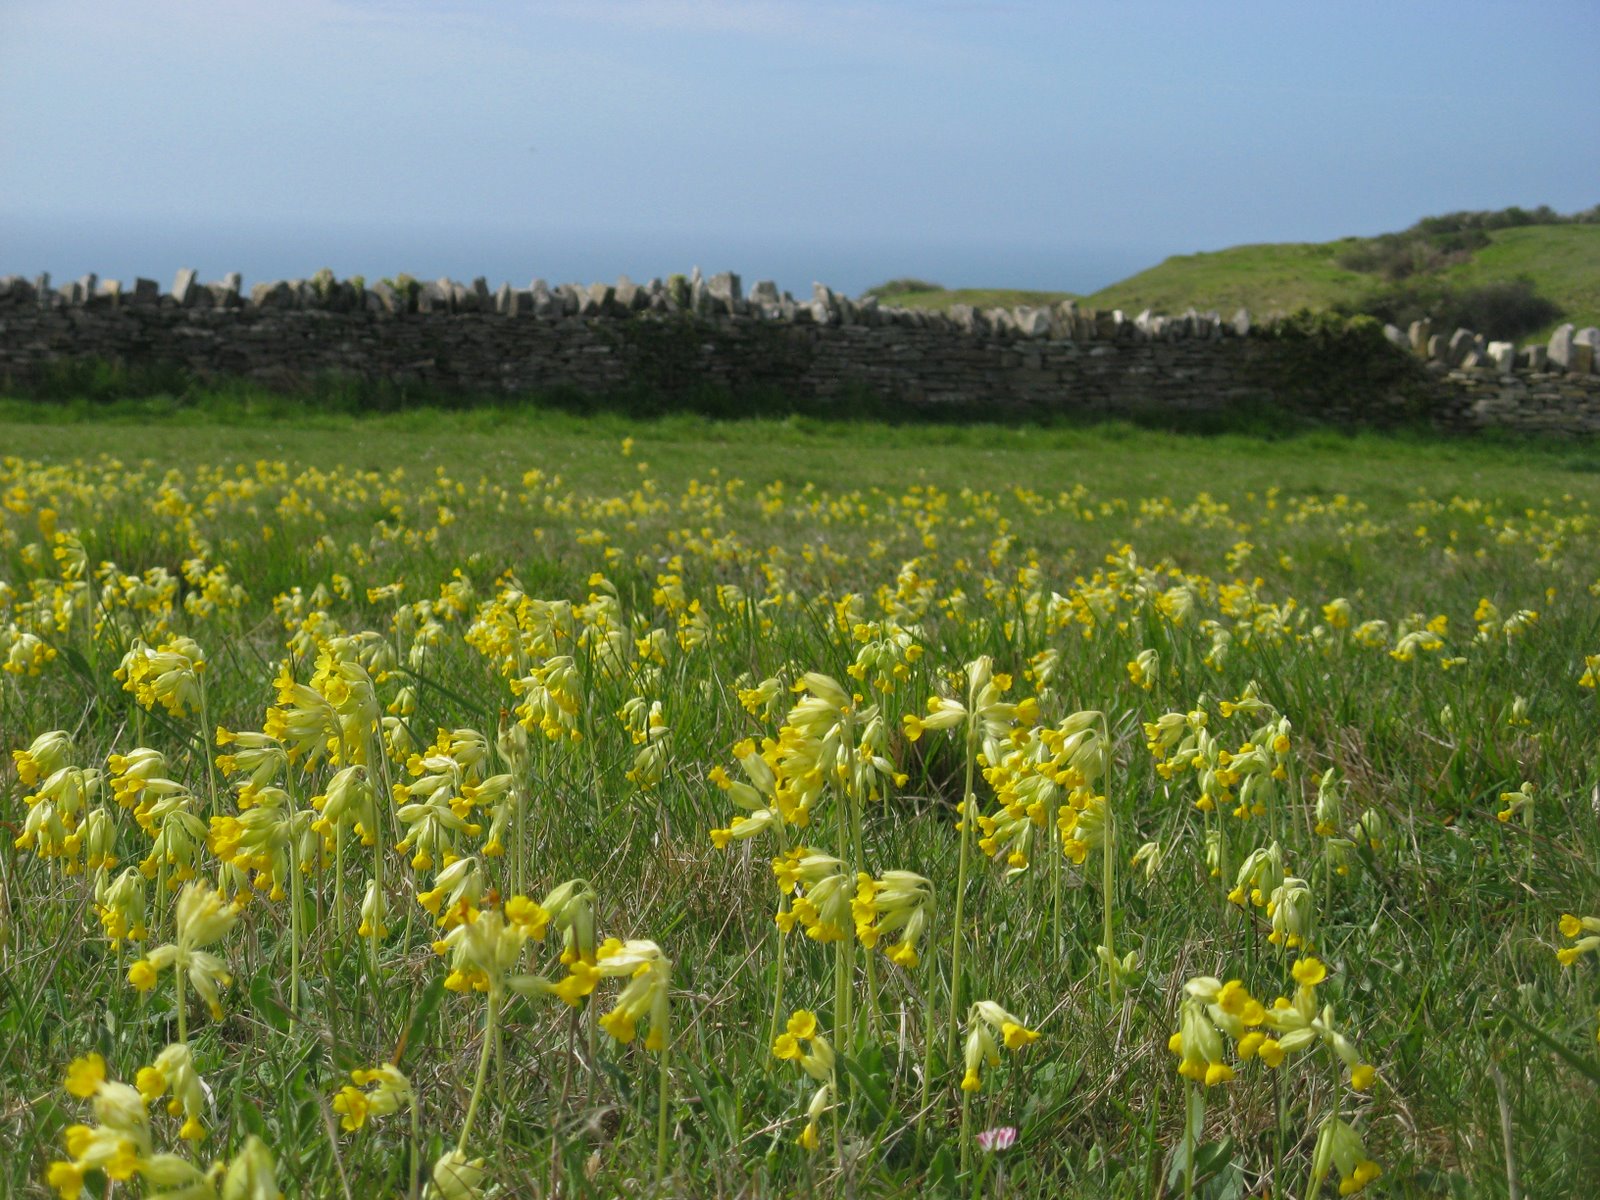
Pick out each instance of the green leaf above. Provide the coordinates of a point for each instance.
(264, 999)
(416, 1025)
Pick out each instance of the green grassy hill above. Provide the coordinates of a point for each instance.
(1561, 261)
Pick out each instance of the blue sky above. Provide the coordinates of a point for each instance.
(1025, 144)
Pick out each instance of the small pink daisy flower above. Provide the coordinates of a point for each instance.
(995, 1140)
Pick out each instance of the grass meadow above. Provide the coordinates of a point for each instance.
(482, 804)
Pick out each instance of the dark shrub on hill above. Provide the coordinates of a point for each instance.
(1506, 311)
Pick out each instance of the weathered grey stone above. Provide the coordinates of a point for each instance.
(1504, 356)
(962, 316)
(1241, 323)
(1397, 336)
(91, 287)
(1420, 332)
(547, 305)
(481, 292)
(383, 297)
(1561, 347)
(765, 292)
(185, 285)
(1582, 359)
(504, 301)
(727, 289)
(41, 289)
(1033, 322)
(146, 292)
(1461, 344)
(571, 298)
(629, 296)
(521, 302)
(234, 282)
(597, 300)
(1438, 348)
(1535, 358)
(1589, 336)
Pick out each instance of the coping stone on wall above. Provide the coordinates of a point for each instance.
(185, 287)
(1561, 347)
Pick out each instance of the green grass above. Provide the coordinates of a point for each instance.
(844, 542)
(1563, 262)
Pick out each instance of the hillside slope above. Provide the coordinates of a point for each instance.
(1562, 262)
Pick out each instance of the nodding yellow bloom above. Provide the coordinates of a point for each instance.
(820, 1099)
(1515, 802)
(46, 755)
(202, 918)
(390, 1091)
(1572, 927)
(897, 902)
(1210, 1008)
(169, 675)
(646, 994)
(801, 1044)
(1309, 972)
(1339, 1145)
(984, 1019)
(117, 1145)
(85, 1075)
(173, 1071)
(1142, 670)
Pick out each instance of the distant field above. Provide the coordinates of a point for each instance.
(1562, 261)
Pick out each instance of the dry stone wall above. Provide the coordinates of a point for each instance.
(692, 332)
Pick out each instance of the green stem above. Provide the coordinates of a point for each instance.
(961, 891)
(966, 1133)
(663, 1112)
(183, 1019)
(294, 932)
(489, 1021)
(777, 990)
(205, 741)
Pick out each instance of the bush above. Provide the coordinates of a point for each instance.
(1504, 311)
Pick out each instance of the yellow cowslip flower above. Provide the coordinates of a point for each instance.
(482, 951)
(169, 675)
(46, 755)
(1516, 802)
(1571, 928)
(818, 1105)
(116, 1145)
(801, 1044)
(897, 902)
(1591, 671)
(985, 1018)
(1308, 972)
(85, 1075)
(644, 996)
(252, 1175)
(174, 1071)
(120, 905)
(390, 1091)
(1339, 1145)
(457, 889)
(1291, 910)
(1142, 670)
(1260, 874)
(202, 918)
